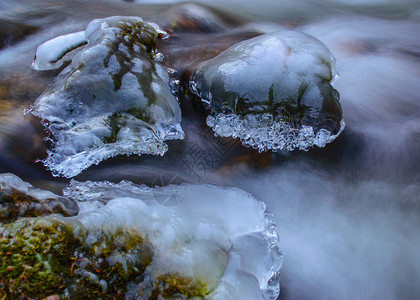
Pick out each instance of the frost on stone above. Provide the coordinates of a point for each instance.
(273, 92)
(229, 249)
(113, 99)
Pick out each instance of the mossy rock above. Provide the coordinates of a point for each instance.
(19, 199)
(16, 204)
(48, 256)
(170, 285)
(36, 253)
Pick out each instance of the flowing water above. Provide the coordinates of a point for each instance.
(348, 214)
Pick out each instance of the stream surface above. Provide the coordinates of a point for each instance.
(348, 214)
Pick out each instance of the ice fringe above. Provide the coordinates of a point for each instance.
(263, 133)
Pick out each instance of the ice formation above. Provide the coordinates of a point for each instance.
(131, 241)
(273, 92)
(222, 238)
(113, 99)
(50, 55)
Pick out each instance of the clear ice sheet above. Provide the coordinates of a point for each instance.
(113, 99)
(231, 243)
(273, 92)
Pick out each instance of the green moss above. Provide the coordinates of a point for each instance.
(46, 256)
(114, 124)
(69, 50)
(169, 285)
(139, 113)
(117, 121)
(36, 255)
(139, 34)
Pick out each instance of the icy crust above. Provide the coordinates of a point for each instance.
(222, 238)
(281, 79)
(263, 132)
(50, 55)
(113, 99)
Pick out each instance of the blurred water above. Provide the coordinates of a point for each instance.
(348, 214)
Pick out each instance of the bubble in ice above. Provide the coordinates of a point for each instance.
(273, 92)
(113, 99)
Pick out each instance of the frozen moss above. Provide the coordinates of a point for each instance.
(47, 256)
(169, 285)
(36, 254)
(59, 256)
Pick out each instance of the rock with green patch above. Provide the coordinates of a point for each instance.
(59, 256)
(273, 92)
(142, 243)
(113, 99)
(19, 199)
(208, 241)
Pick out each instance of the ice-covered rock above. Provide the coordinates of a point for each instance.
(174, 242)
(112, 99)
(220, 242)
(273, 92)
(19, 199)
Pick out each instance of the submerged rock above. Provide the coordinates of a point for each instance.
(11, 32)
(273, 92)
(113, 99)
(19, 199)
(140, 242)
(194, 18)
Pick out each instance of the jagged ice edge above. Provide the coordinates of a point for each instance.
(263, 133)
(87, 158)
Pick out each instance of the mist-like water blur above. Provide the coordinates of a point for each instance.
(348, 214)
(343, 239)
